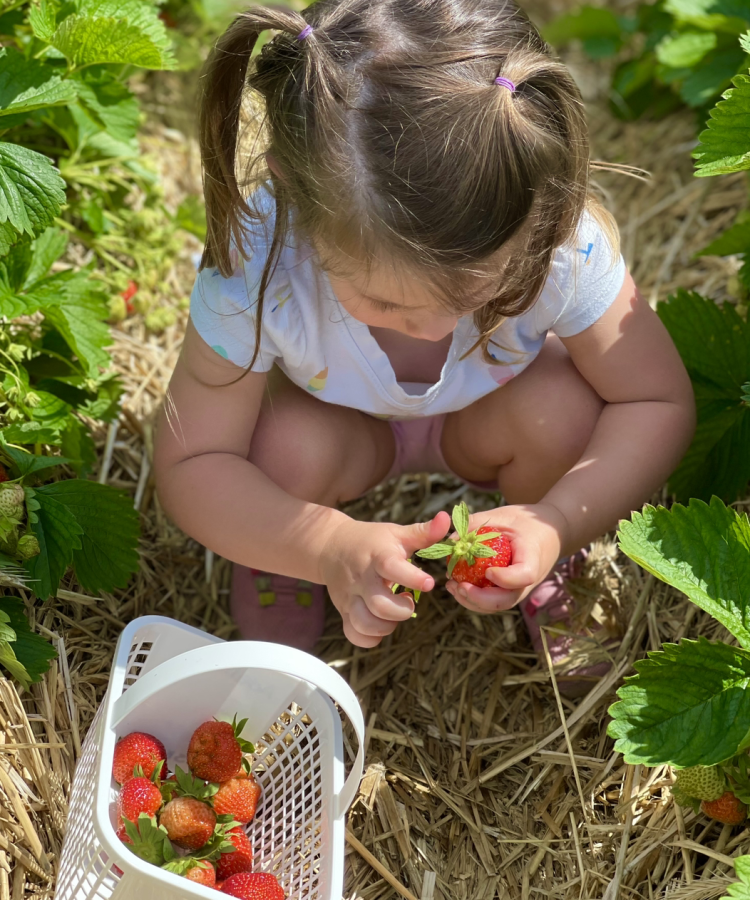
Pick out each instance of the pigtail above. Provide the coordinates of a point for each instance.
(223, 85)
(224, 81)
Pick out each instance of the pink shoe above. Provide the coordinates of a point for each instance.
(577, 651)
(278, 609)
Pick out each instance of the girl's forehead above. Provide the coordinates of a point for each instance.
(403, 286)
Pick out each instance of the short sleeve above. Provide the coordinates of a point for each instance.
(224, 310)
(588, 276)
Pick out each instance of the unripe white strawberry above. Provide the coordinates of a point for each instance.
(28, 547)
(702, 782)
(12, 501)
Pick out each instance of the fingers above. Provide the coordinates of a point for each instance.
(392, 607)
(515, 577)
(484, 600)
(366, 622)
(421, 535)
(401, 571)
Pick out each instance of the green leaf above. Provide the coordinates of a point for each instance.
(107, 403)
(31, 193)
(742, 870)
(77, 306)
(191, 216)
(460, 517)
(108, 31)
(46, 249)
(714, 343)
(30, 433)
(59, 536)
(107, 554)
(31, 650)
(711, 76)
(29, 84)
(77, 444)
(27, 463)
(589, 22)
(688, 705)
(710, 14)
(686, 49)
(725, 144)
(702, 550)
(736, 239)
(6, 632)
(109, 104)
(9, 659)
(437, 551)
(43, 19)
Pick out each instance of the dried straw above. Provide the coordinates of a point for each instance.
(482, 780)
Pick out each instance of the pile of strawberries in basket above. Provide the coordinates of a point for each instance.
(192, 823)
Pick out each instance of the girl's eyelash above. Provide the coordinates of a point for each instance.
(382, 305)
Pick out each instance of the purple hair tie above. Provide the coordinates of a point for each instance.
(506, 83)
(306, 32)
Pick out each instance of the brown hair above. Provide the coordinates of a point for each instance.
(395, 142)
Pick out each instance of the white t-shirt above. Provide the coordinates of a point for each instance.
(324, 350)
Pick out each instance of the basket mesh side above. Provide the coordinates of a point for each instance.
(286, 831)
(136, 660)
(84, 868)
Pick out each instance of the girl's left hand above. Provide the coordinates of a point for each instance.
(538, 533)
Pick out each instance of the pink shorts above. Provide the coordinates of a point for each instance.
(418, 449)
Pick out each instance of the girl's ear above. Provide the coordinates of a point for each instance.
(274, 166)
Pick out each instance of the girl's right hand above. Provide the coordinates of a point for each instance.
(360, 562)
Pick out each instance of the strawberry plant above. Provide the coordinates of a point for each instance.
(688, 705)
(677, 51)
(713, 340)
(68, 162)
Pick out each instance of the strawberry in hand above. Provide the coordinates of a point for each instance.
(473, 552)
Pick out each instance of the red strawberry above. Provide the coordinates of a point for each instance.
(238, 798)
(127, 295)
(727, 809)
(189, 822)
(254, 886)
(138, 749)
(139, 795)
(215, 753)
(3, 475)
(241, 860)
(471, 555)
(203, 873)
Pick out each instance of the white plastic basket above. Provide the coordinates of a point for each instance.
(166, 679)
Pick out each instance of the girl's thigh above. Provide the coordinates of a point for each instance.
(528, 433)
(317, 451)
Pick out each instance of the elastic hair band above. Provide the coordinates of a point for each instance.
(506, 83)
(306, 32)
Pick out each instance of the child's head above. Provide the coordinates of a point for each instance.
(397, 151)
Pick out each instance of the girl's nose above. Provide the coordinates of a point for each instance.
(431, 330)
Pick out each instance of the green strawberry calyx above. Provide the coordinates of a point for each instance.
(187, 785)
(149, 840)
(469, 545)
(239, 727)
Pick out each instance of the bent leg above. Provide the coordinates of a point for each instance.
(528, 433)
(317, 452)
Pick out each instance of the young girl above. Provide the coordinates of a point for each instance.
(418, 280)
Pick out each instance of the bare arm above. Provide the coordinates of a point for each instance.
(642, 433)
(205, 481)
(213, 492)
(646, 427)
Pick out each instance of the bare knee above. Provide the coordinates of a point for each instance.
(291, 446)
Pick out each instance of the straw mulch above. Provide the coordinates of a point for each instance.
(482, 779)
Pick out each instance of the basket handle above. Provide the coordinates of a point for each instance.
(256, 655)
